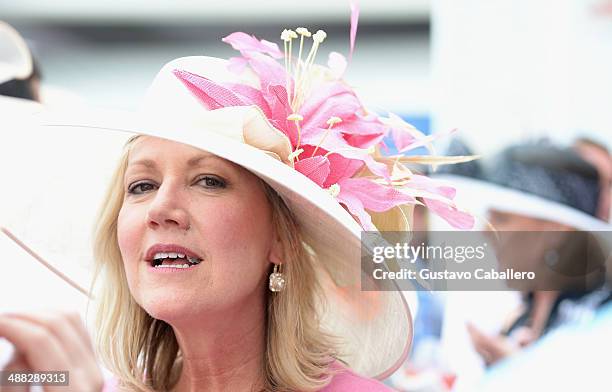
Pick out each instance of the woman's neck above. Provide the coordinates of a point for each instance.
(243, 375)
(224, 355)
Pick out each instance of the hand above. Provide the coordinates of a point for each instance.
(491, 348)
(52, 341)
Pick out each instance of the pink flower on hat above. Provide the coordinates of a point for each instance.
(334, 138)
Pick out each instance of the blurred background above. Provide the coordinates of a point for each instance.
(107, 52)
(496, 71)
(501, 72)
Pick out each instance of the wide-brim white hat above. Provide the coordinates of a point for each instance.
(15, 57)
(375, 326)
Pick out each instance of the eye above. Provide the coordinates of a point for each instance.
(497, 218)
(140, 187)
(212, 182)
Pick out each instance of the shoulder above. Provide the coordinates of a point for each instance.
(346, 380)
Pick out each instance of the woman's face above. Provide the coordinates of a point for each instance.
(522, 242)
(207, 222)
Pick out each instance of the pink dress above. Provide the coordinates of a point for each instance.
(348, 381)
(345, 381)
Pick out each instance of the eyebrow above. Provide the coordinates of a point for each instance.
(149, 163)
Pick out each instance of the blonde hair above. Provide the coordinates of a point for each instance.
(143, 352)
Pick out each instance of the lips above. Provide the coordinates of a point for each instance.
(170, 251)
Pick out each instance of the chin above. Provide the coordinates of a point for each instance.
(168, 308)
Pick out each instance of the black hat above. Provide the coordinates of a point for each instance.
(550, 172)
(537, 179)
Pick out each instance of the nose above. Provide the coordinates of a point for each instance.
(169, 209)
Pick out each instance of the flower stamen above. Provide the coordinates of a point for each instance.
(295, 154)
(355, 149)
(300, 81)
(331, 122)
(303, 32)
(296, 117)
(334, 190)
(287, 36)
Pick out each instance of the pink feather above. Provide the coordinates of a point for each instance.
(450, 213)
(212, 94)
(354, 23)
(249, 43)
(316, 168)
(358, 194)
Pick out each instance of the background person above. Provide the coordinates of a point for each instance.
(19, 73)
(554, 193)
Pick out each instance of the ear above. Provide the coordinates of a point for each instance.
(276, 255)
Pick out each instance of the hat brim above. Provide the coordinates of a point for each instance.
(13, 107)
(16, 62)
(494, 196)
(375, 326)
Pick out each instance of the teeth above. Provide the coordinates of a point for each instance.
(172, 266)
(170, 255)
(160, 256)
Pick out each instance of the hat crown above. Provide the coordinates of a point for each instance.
(169, 100)
(167, 94)
(547, 171)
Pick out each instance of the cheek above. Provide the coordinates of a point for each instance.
(239, 242)
(241, 229)
(129, 236)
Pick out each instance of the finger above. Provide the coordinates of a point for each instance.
(41, 349)
(488, 359)
(524, 336)
(77, 346)
(16, 364)
(84, 371)
(485, 341)
(482, 344)
(482, 351)
(65, 328)
(478, 338)
(473, 330)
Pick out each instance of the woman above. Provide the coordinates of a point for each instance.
(212, 304)
(542, 202)
(228, 246)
